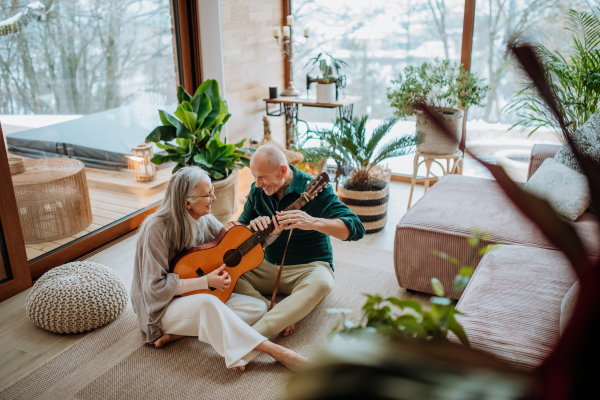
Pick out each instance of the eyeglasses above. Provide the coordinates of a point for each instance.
(211, 194)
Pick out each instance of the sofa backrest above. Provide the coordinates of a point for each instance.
(539, 153)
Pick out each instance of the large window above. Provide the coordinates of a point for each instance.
(82, 80)
(538, 21)
(378, 39)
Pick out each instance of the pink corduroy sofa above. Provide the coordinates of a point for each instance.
(512, 303)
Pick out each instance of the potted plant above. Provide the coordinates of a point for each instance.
(326, 84)
(575, 81)
(191, 137)
(348, 145)
(443, 86)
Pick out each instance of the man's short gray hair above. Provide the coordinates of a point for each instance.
(271, 154)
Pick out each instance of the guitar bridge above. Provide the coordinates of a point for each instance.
(201, 273)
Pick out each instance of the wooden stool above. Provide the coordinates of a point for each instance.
(52, 198)
(429, 159)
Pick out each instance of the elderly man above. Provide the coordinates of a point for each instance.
(307, 275)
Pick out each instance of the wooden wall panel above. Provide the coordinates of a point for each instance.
(252, 63)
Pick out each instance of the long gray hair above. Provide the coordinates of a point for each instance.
(180, 230)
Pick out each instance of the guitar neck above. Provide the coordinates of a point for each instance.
(260, 236)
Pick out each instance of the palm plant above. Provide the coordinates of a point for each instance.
(347, 144)
(575, 81)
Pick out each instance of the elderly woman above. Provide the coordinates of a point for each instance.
(182, 221)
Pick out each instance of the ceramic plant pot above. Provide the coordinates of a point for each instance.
(429, 138)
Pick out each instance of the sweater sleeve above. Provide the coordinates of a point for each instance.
(328, 205)
(189, 285)
(153, 286)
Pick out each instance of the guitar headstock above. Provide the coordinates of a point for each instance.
(317, 185)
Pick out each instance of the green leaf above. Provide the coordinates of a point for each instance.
(466, 271)
(240, 144)
(164, 118)
(199, 158)
(441, 301)
(437, 287)
(460, 283)
(177, 168)
(182, 95)
(455, 327)
(213, 148)
(415, 305)
(218, 105)
(245, 162)
(164, 133)
(216, 175)
(166, 146)
(409, 325)
(202, 107)
(203, 87)
(473, 241)
(157, 159)
(185, 113)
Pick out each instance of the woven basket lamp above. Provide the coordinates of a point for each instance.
(16, 165)
(140, 162)
(52, 198)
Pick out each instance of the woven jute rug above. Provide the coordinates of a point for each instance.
(112, 363)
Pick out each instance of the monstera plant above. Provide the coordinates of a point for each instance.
(191, 136)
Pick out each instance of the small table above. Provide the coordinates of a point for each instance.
(52, 198)
(289, 107)
(429, 159)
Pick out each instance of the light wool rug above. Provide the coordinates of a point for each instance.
(112, 363)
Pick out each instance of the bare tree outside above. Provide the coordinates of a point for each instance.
(81, 57)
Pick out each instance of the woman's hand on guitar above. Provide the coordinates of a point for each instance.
(219, 279)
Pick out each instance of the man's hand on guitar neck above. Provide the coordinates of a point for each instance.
(297, 219)
(261, 223)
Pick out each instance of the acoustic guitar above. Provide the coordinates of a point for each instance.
(236, 246)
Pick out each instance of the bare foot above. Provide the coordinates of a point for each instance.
(242, 368)
(293, 361)
(166, 338)
(289, 330)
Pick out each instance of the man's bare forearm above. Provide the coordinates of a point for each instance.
(332, 227)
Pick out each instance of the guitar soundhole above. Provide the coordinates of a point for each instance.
(232, 258)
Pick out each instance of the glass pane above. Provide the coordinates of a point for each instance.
(488, 127)
(80, 84)
(378, 39)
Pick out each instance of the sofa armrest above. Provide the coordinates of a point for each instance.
(539, 153)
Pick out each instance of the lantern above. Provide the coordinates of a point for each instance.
(139, 162)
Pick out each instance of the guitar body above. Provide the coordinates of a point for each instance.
(202, 260)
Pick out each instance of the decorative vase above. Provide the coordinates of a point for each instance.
(370, 206)
(325, 93)
(432, 141)
(227, 193)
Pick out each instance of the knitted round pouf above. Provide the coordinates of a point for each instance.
(76, 297)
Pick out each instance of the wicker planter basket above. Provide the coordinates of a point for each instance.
(370, 206)
(226, 191)
(435, 142)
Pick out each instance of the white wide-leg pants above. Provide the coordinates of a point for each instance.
(226, 327)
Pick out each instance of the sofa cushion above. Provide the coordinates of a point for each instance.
(565, 189)
(587, 140)
(567, 306)
(512, 303)
(443, 219)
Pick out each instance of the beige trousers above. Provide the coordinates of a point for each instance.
(306, 285)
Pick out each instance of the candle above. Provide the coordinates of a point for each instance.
(276, 32)
(290, 20)
(306, 32)
(286, 31)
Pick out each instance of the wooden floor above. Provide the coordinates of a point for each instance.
(24, 346)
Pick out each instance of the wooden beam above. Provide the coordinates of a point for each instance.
(89, 242)
(465, 54)
(189, 53)
(11, 232)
